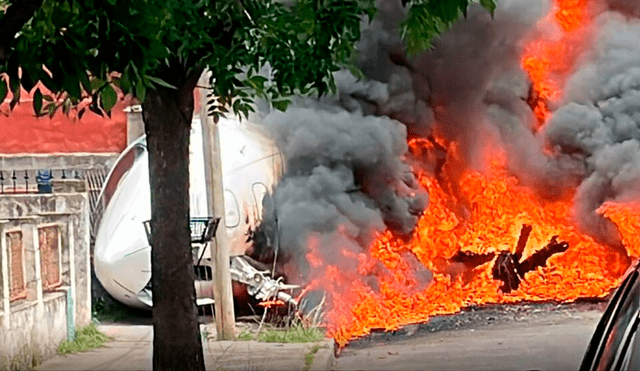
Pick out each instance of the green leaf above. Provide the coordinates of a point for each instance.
(97, 84)
(489, 5)
(51, 109)
(16, 96)
(108, 97)
(141, 91)
(160, 82)
(260, 80)
(86, 84)
(26, 81)
(3, 90)
(158, 49)
(81, 113)
(125, 80)
(37, 102)
(281, 105)
(72, 87)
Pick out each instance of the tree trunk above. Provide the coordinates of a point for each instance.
(176, 342)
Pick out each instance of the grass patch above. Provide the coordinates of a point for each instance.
(308, 359)
(246, 335)
(87, 338)
(295, 334)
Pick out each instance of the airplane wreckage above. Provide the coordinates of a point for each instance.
(251, 166)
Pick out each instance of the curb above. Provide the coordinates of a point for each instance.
(324, 357)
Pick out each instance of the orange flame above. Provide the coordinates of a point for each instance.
(627, 218)
(386, 291)
(272, 303)
(398, 281)
(546, 61)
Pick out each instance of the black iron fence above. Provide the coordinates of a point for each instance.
(34, 181)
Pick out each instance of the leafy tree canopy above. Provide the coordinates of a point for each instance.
(85, 49)
(76, 46)
(427, 19)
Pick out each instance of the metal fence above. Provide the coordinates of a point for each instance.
(95, 179)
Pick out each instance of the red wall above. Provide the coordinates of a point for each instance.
(22, 132)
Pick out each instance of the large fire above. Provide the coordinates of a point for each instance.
(480, 217)
(389, 289)
(547, 61)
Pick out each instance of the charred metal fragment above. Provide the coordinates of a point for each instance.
(540, 257)
(508, 268)
(505, 269)
(470, 259)
(465, 262)
(522, 241)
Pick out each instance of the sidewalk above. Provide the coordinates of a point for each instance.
(131, 349)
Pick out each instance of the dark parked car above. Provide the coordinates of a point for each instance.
(616, 343)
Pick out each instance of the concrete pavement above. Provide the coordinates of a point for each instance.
(131, 349)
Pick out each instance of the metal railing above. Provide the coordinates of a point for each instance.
(33, 181)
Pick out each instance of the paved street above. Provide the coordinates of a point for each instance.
(553, 341)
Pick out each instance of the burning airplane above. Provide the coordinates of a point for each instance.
(500, 167)
(122, 254)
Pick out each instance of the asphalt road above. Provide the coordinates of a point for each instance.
(551, 337)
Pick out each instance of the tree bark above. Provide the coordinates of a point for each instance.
(167, 116)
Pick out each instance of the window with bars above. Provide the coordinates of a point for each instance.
(49, 237)
(17, 281)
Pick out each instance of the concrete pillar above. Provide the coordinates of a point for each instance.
(223, 292)
(6, 303)
(38, 266)
(71, 298)
(135, 124)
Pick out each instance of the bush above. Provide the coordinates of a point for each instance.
(87, 338)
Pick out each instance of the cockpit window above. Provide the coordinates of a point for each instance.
(121, 168)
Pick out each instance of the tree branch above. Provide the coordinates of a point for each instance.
(16, 16)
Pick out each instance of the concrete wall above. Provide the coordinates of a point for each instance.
(81, 161)
(91, 167)
(35, 325)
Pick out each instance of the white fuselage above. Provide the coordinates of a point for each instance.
(251, 166)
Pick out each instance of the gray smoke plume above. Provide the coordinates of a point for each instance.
(347, 168)
(345, 180)
(471, 88)
(599, 120)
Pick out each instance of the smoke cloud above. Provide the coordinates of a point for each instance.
(345, 180)
(347, 165)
